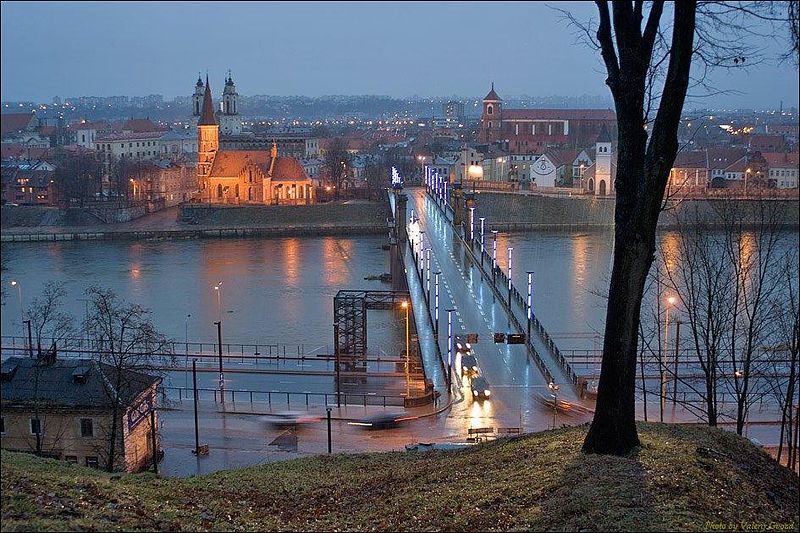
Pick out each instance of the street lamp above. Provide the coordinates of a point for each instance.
(554, 389)
(436, 302)
(471, 226)
(510, 249)
(186, 339)
(482, 219)
(408, 383)
(530, 301)
(449, 347)
(670, 303)
(218, 288)
(428, 274)
(494, 252)
(18, 285)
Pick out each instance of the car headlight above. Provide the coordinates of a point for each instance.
(487, 392)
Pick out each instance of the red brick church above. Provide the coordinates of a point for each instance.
(533, 130)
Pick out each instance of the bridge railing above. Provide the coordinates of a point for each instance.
(275, 398)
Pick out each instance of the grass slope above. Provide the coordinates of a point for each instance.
(682, 478)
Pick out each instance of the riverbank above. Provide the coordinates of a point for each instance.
(194, 221)
(526, 212)
(680, 479)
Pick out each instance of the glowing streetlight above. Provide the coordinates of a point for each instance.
(218, 288)
(471, 225)
(494, 252)
(436, 303)
(428, 274)
(449, 347)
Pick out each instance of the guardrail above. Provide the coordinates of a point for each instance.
(279, 398)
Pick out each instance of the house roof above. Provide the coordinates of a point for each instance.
(11, 122)
(722, 157)
(740, 165)
(691, 159)
(88, 125)
(20, 151)
(59, 386)
(559, 114)
(231, 162)
(782, 159)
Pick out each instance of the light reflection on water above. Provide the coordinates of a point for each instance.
(274, 290)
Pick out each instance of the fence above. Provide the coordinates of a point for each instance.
(279, 398)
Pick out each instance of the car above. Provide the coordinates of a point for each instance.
(480, 389)
(291, 419)
(382, 421)
(469, 366)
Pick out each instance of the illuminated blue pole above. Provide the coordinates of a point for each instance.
(471, 226)
(428, 273)
(436, 304)
(510, 249)
(449, 347)
(494, 253)
(530, 301)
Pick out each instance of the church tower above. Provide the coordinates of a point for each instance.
(490, 117)
(229, 121)
(603, 173)
(207, 141)
(197, 98)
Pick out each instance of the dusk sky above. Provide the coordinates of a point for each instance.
(313, 49)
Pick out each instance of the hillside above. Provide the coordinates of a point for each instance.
(682, 478)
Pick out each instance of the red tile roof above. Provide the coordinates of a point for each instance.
(19, 151)
(782, 159)
(231, 163)
(559, 114)
(722, 157)
(13, 122)
(691, 159)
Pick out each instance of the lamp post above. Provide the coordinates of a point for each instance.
(436, 303)
(530, 301)
(186, 339)
(510, 249)
(449, 348)
(408, 383)
(471, 226)
(670, 302)
(15, 283)
(494, 252)
(482, 219)
(221, 373)
(218, 288)
(428, 275)
(554, 389)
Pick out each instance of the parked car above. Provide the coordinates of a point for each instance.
(480, 389)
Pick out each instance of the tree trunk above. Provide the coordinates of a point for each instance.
(613, 429)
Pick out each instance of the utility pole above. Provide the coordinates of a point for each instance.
(329, 428)
(336, 361)
(675, 377)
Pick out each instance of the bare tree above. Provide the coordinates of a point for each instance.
(337, 161)
(77, 177)
(787, 387)
(129, 344)
(649, 77)
(47, 321)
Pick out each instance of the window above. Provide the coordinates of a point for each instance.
(36, 426)
(92, 462)
(489, 110)
(87, 427)
(71, 459)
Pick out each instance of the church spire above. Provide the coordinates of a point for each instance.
(207, 117)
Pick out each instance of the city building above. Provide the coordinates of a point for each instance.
(453, 111)
(599, 177)
(534, 130)
(689, 171)
(246, 176)
(67, 406)
(784, 168)
(228, 118)
(28, 182)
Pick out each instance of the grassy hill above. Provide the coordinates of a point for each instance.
(682, 478)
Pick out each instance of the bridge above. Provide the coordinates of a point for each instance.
(456, 292)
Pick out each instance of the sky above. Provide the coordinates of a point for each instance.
(307, 48)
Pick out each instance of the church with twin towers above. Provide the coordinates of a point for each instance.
(241, 177)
